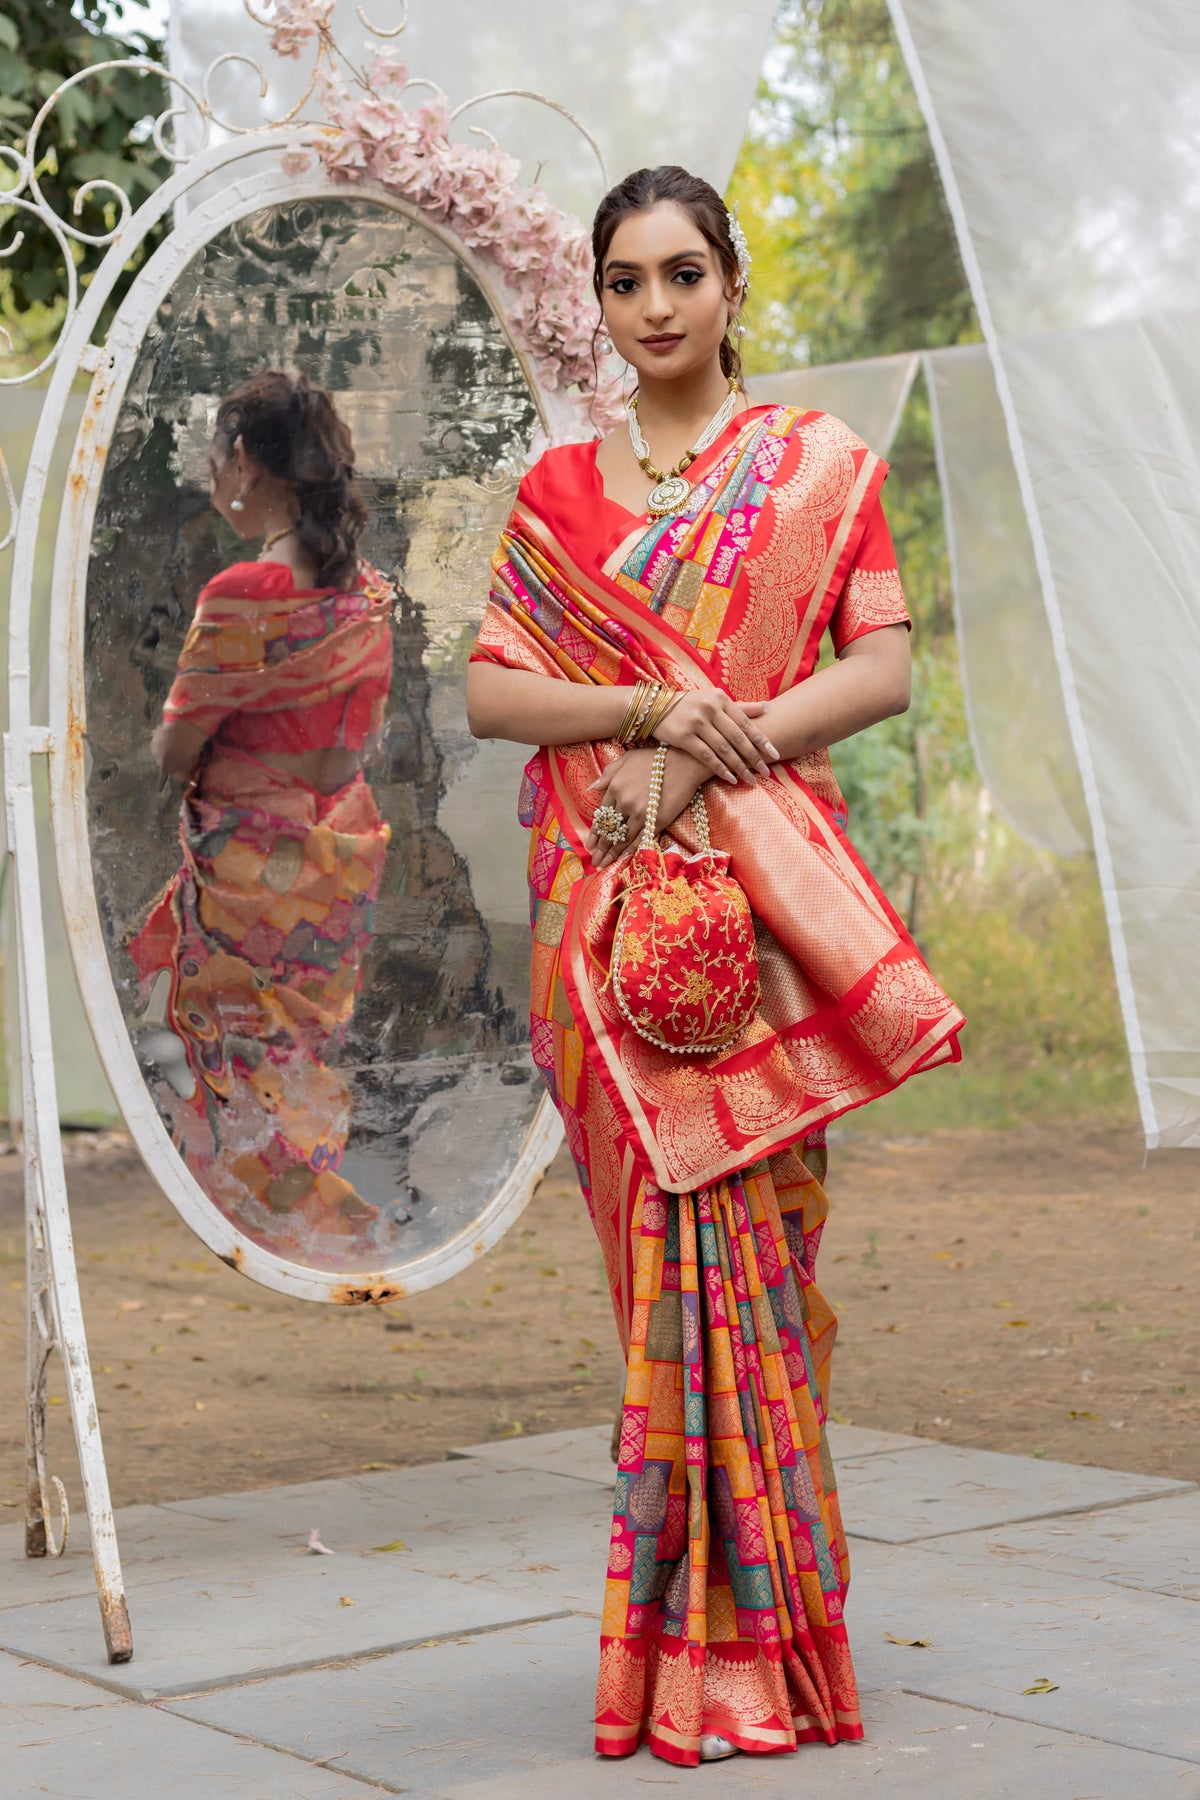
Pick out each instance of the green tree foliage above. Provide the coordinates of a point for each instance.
(99, 130)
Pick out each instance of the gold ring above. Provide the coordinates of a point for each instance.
(611, 825)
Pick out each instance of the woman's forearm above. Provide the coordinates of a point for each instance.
(541, 709)
(862, 687)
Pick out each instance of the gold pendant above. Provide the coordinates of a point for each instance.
(668, 496)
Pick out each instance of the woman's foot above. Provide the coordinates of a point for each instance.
(715, 1748)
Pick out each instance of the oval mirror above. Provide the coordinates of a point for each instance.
(383, 1145)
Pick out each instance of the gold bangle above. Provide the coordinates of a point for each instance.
(631, 712)
(650, 692)
(666, 700)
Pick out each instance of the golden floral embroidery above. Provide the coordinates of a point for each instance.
(621, 1684)
(677, 1691)
(745, 1693)
(871, 597)
(824, 1069)
(903, 997)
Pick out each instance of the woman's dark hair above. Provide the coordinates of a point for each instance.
(704, 206)
(292, 429)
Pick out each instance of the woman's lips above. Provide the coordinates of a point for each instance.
(666, 342)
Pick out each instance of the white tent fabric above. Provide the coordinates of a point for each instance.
(1068, 138)
(1015, 711)
(869, 395)
(649, 92)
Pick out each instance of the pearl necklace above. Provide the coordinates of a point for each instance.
(670, 489)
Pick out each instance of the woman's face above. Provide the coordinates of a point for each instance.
(666, 306)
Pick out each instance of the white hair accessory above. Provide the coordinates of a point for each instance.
(741, 248)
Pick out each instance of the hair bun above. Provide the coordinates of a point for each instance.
(293, 429)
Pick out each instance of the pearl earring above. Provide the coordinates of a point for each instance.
(604, 345)
(238, 505)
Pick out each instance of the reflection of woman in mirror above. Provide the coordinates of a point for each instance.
(673, 583)
(252, 956)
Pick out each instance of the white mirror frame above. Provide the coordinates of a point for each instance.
(247, 193)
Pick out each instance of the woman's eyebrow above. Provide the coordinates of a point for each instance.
(668, 262)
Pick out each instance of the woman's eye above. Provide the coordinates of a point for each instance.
(690, 277)
(622, 285)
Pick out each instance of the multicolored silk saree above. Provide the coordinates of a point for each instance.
(727, 1566)
(253, 953)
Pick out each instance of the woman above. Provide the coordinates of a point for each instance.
(706, 564)
(252, 956)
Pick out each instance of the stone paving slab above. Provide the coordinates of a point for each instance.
(905, 1498)
(464, 1520)
(200, 1631)
(1153, 1545)
(916, 1749)
(509, 1714)
(1126, 1664)
(427, 1719)
(584, 1453)
(64, 1737)
(155, 1545)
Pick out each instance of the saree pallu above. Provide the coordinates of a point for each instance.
(727, 1568)
(261, 935)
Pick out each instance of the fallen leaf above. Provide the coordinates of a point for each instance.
(368, 1468)
(345, 1600)
(839, 1418)
(158, 1349)
(315, 1544)
(198, 1405)
(1079, 1414)
(130, 1305)
(909, 1643)
(516, 1429)
(106, 1368)
(57, 1400)
(1012, 1324)
(1043, 1685)
(1009, 1304)
(396, 1544)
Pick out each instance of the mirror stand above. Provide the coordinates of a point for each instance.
(54, 1312)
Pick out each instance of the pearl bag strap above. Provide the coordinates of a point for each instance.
(699, 810)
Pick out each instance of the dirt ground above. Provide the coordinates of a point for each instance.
(1030, 1291)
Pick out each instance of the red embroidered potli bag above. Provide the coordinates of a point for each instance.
(685, 967)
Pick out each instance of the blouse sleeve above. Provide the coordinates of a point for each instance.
(871, 595)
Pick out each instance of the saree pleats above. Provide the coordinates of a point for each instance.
(727, 1567)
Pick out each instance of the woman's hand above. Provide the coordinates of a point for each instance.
(177, 748)
(720, 735)
(625, 784)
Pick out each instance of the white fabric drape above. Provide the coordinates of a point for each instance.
(869, 395)
(649, 88)
(1068, 138)
(1015, 711)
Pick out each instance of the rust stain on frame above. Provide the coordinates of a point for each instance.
(369, 1293)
